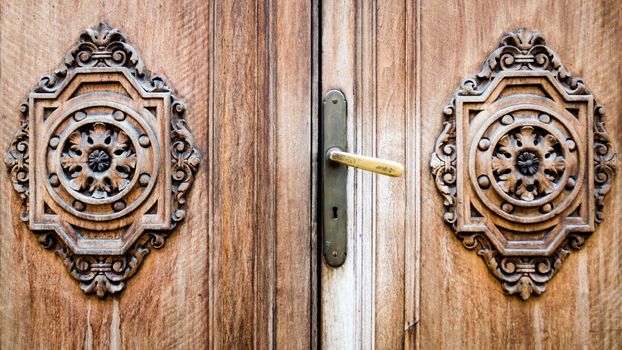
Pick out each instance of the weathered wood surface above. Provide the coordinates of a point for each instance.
(404, 262)
(462, 305)
(238, 273)
(368, 53)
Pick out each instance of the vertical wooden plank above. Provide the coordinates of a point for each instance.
(264, 260)
(179, 317)
(390, 195)
(414, 160)
(338, 304)
(294, 119)
(363, 141)
(462, 304)
(262, 239)
(365, 301)
(238, 97)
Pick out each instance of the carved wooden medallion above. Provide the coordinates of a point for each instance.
(103, 161)
(523, 163)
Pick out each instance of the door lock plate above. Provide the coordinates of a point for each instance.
(334, 180)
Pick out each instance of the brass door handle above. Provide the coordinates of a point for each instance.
(334, 177)
(376, 165)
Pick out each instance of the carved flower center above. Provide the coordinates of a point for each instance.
(527, 163)
(98, 160)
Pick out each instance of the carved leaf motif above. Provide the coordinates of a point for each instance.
(79, 181)
(72, 160)
(443, 164)
(125, 161)
(525, 138)
(545, 185)
(77, 140)
(605, 161)
(526, 190)
(17, 161)
(99, 186)
(99, 135)
(554, 163)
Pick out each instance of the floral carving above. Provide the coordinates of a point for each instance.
(527, 164)
(101, 173)
(99, 160)
(536, 162)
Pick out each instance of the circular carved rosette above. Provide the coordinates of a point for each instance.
(103, 161)
(523, 163)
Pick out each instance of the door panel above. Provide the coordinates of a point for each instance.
(408, 281)
(42, 305)
(581, 306)
(239, 272)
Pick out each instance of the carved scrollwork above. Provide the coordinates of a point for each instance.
(184, 162)
(105, 132)
(98, 47)
(443, 165)
(103, 274)
(605, 160)
(522, 50)
(535, 161)
(18, 161)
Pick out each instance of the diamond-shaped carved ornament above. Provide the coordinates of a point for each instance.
(523, 163)
(103, 161)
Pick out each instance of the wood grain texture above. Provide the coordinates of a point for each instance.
(167, 290)
(462, 306)
(339, 297)
(295, 153)
(239, 272)
(370, 300)
(262, 238)
(393, 61)
(234, 172)
(389, 94)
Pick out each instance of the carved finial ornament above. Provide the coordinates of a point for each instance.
(523, 163)
(103, 161)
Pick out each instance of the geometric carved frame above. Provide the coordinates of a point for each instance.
(103, 161)
(523, 163)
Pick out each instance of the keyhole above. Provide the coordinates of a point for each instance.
(335, 216)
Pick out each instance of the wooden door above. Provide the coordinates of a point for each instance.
(408, 281)
(243, 268)
(239, 271)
